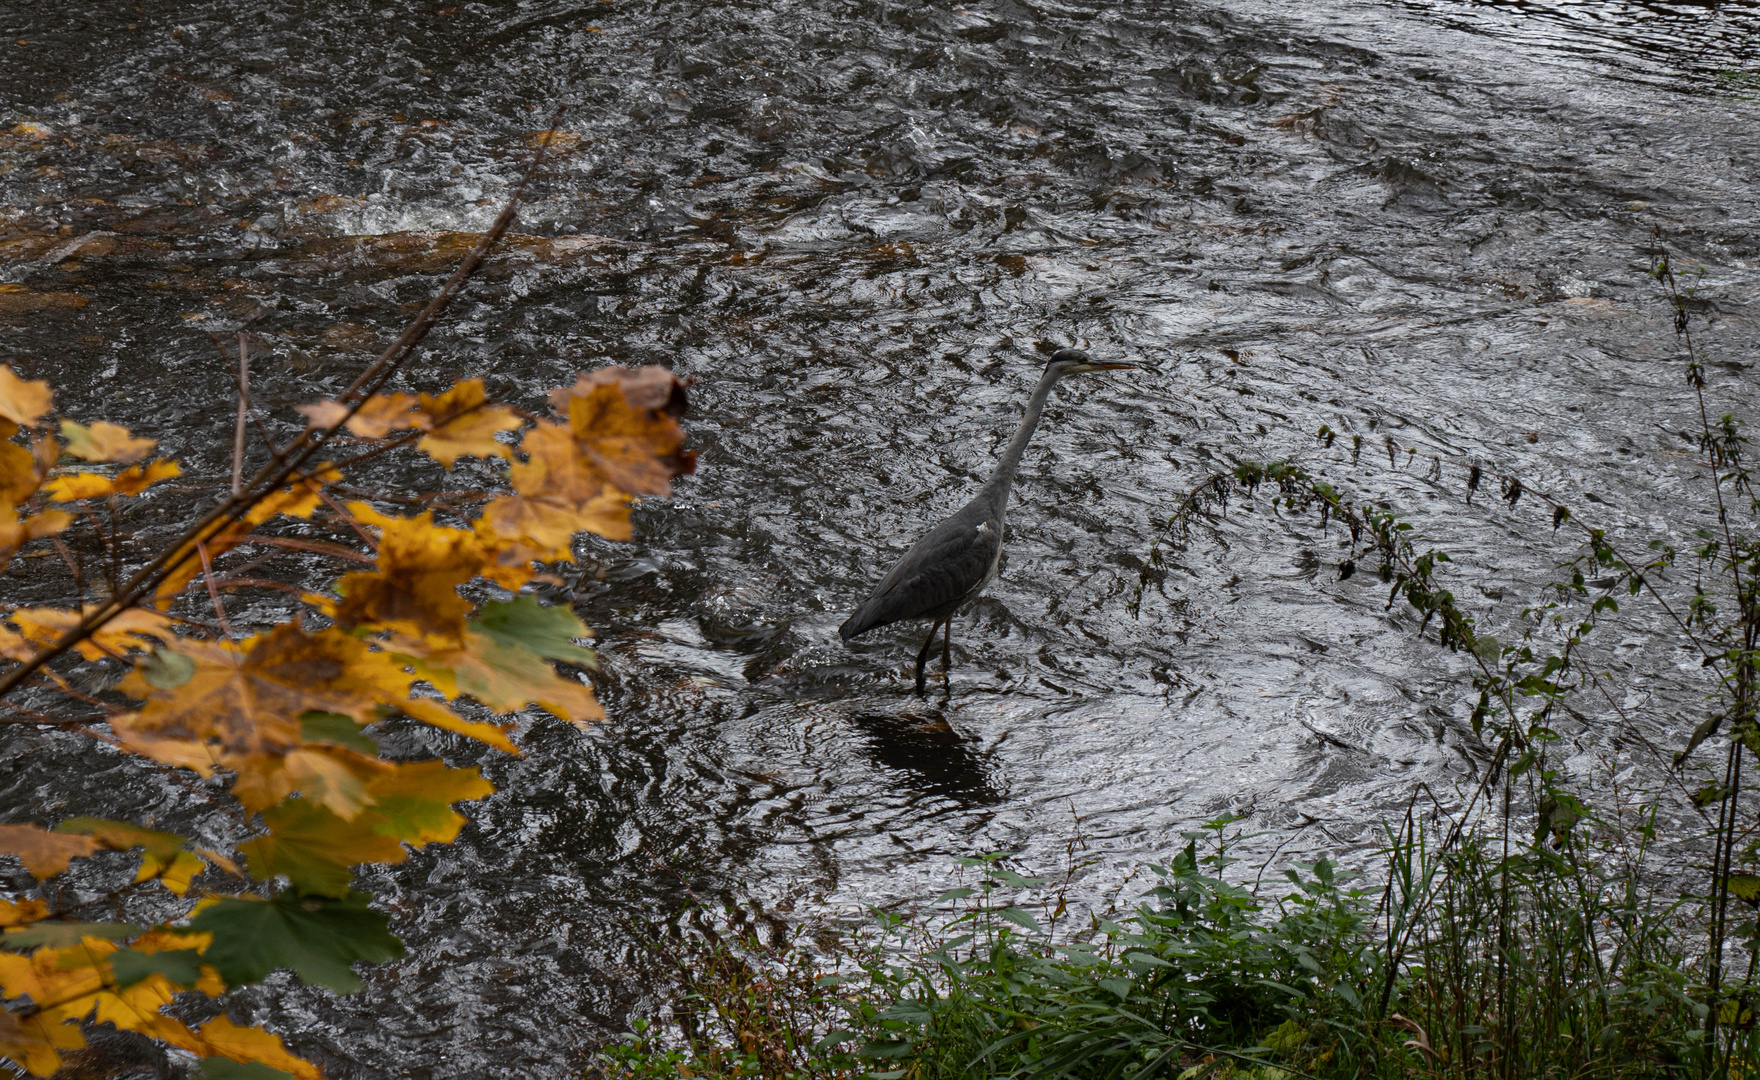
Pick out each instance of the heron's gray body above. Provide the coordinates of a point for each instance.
(950, 566)
(940, 574)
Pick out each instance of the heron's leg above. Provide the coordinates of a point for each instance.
(923, 656)
(947, 645)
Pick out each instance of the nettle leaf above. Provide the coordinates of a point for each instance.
(1118, 988)
(317, 939)
(1744, 887)
(313, 848)
(181, 966)
(524, 623)
(1021, 918)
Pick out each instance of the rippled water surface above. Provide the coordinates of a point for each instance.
(857, 225)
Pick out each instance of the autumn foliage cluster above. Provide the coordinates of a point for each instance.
(282, 714)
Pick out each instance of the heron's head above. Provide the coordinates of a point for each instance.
(1075, 362)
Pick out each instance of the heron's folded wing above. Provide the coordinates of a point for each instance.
(938, 570)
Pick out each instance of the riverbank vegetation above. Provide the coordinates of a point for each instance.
(1548, 924)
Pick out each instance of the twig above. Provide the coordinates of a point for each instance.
(244, 408)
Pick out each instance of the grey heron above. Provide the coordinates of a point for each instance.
(950, 566)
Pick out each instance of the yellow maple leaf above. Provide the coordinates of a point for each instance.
(314, 848)
(24, 403)
(162, 853)
(104, 441)
(252, 1045)
(239, 705)
(331, 776)
(130, 630)
(43, 853)
(61, 980)
(413, 802)
(461, 423)
(132, 481)
(506, 679)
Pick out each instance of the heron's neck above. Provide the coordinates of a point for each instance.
(1002, 479)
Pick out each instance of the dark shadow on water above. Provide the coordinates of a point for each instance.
(934, 758)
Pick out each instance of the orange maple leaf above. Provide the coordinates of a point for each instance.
(581, 477)
(44, 853)
(23, 469)
(104, 441)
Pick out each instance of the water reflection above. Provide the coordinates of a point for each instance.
(933, 759)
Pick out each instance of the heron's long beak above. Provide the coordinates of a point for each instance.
(1118, 367)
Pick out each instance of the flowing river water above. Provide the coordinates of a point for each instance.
(858, 225)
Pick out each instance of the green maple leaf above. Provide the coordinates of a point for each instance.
(317, 939)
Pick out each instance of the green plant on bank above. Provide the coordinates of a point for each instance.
(1532, 932)
(1204, 978)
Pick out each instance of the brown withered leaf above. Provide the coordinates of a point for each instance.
(18, 299)
(462, 423)
(43, 853)
(36, 1043)
(104, 441)
(23, 402)
(132, 481)
(414, 591)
